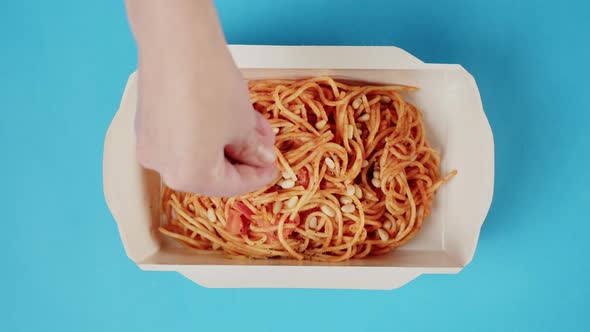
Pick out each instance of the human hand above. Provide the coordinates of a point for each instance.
(200, 132)
(195, 123)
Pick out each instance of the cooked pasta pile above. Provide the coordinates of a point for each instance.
(358, 178)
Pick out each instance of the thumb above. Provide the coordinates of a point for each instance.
(255, 147)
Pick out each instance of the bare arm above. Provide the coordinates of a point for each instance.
(194, 113)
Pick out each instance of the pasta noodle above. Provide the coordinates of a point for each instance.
(358, 178)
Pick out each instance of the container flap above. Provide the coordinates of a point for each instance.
(128, 188)
(322, 57)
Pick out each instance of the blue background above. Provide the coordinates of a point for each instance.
(63, 67)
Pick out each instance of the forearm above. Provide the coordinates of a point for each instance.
(173, 32)
(194, 122)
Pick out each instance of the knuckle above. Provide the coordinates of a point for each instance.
(177, 182)
(143, 157)
(186, 178)
(179, 179)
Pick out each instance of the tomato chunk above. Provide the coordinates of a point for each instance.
(303, 177)
(239, 218)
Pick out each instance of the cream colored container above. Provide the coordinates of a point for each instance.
(456, 124)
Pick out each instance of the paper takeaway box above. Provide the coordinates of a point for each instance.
(457, 126)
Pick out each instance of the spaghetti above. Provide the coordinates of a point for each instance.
(358, 178)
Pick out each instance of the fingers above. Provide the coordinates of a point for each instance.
(226, 180)
(264, 129)
(239, 179)
(254, 147)
(245, 165)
